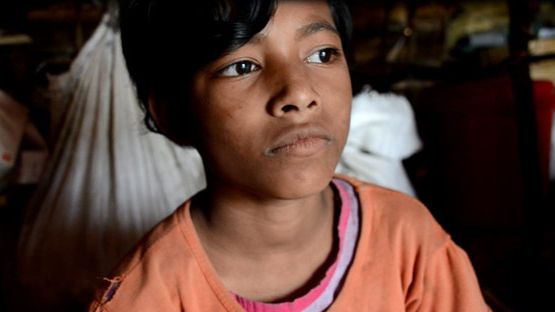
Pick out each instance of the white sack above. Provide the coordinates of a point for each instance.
(108, 180)
(382, 133)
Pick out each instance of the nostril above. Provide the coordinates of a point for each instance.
(312, 104)
(288, 108)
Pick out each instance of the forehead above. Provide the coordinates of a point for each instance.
(316, 6)
(304, 17)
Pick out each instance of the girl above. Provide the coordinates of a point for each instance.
(262, 90)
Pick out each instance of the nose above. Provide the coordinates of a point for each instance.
(293, 93)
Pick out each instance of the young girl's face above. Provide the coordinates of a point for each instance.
(274, 114)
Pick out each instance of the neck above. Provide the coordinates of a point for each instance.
(248, 225)
(266, 250)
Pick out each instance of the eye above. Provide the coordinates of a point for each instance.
(323, 56)
(239, 68)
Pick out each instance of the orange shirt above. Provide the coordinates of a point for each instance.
(404, 261)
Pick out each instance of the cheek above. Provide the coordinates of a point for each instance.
(337, 93)
(215, 110)
(227, 127)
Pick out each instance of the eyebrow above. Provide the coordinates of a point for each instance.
(303, 31)
(315, 27)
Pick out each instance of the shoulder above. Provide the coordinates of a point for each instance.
(392, 206)
(424, 269)
(159, 244)
(396, 219)
(153, 264)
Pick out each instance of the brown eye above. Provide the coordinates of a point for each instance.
(243, 67)
(239, 68)
(322, 56)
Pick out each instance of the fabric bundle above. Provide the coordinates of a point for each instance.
(382, 133)
(108, 180)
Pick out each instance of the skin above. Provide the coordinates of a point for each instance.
(273, 118)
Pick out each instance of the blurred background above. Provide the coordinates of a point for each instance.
(478, 76)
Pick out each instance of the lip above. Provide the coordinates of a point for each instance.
(299, 142)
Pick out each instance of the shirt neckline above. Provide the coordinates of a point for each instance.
(348, 204)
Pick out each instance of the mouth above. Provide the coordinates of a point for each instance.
(299, 142)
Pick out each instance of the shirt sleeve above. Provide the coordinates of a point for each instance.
(447, 283)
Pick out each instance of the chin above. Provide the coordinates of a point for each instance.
(299, 185)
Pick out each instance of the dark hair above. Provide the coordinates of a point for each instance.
(165, 42)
